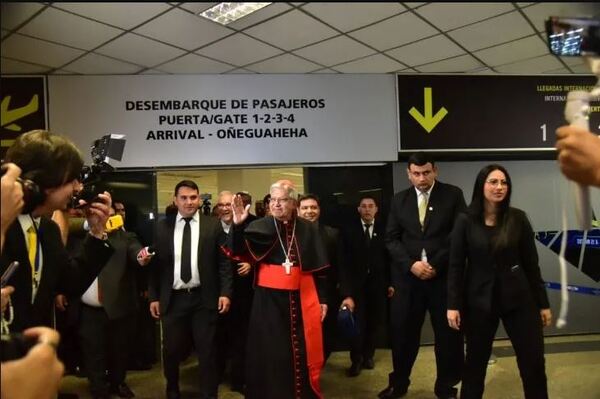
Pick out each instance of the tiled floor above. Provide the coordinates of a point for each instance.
(572, 366)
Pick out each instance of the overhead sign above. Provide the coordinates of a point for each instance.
(22, 108)
(485, 113)
(231, 119)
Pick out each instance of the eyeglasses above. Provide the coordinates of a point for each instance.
(279, 200)
(225, 205)
(495, 182)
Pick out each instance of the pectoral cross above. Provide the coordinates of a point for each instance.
(288, 266)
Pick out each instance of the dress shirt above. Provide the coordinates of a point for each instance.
(421, 197)
(177, 241)
(25, 221)
(371, 228)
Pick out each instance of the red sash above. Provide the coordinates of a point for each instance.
(273, 276)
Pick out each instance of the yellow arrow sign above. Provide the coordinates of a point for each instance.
(428, 121)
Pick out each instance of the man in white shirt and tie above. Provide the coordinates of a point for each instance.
(190, 281)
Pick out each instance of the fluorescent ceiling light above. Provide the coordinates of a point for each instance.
(226, 13)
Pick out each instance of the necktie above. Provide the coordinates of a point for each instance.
(186, 252)
(367, 234)
(33, 247)
(423, 208)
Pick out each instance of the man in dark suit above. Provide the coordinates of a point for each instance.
(368, 270)
(189, 282)
(418, 239)
(34, 240)
(337, 280)
(107, 319)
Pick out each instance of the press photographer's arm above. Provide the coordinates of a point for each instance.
(579, 155)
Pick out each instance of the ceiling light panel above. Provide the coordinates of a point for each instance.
(226, 13)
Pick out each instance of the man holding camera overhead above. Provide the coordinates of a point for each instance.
(53, 164)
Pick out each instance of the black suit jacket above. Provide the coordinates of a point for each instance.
(364, 261)
(337, 275)
(60, 274)
(405, 239)
(118, 278)
(214, 267)
(513, 272)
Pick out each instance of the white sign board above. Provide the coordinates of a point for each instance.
(211, 120)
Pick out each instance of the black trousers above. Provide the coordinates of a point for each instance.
(524, 328)
(185, 321)
(104, 345)
(407, 313)
(369, 312)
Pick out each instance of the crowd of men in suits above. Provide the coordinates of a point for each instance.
(215, 281)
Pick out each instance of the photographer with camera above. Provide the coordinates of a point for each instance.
(38, 374)
(51, 166)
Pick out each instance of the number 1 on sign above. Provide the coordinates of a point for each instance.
(543, 127)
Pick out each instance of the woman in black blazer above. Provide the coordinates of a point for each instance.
(494, 275)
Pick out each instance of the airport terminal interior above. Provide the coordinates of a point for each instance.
(473, 83)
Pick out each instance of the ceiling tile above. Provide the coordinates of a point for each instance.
(8, 66)
(291, 30)
(324, 70)
(96, 64)
(286, 63)
(428, 50)
(192, 63)
(65, 28)
(393, 32)
(558, 71)
(572, 61)
(335, 51)
(239, 49)
(37, 51)
(14, 14)
(122, 15)
(493, 31)
(197, 8)
(448, 16)
(414, 4)
(582, 68)
(538, 13)
(354, 15)
(240, 71)
(3, 33)
(532, 66)
(528, 47)
(62, 72)
(482, 71)
(463, 63)
(264, 13)
(147, 52)
(377, 63)
(153, 72)
(183, 29)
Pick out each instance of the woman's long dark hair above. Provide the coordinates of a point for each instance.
(476, 207)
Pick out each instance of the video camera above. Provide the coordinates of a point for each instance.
(105, 149)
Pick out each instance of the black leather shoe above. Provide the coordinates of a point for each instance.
(122, 391)
(369, 364)
(392, 392)
(171, 394)
(355, 369)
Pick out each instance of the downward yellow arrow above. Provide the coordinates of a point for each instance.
(428, 121)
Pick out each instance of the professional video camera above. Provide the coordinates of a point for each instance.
(103, 150)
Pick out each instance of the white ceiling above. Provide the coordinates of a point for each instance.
(170, 38)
